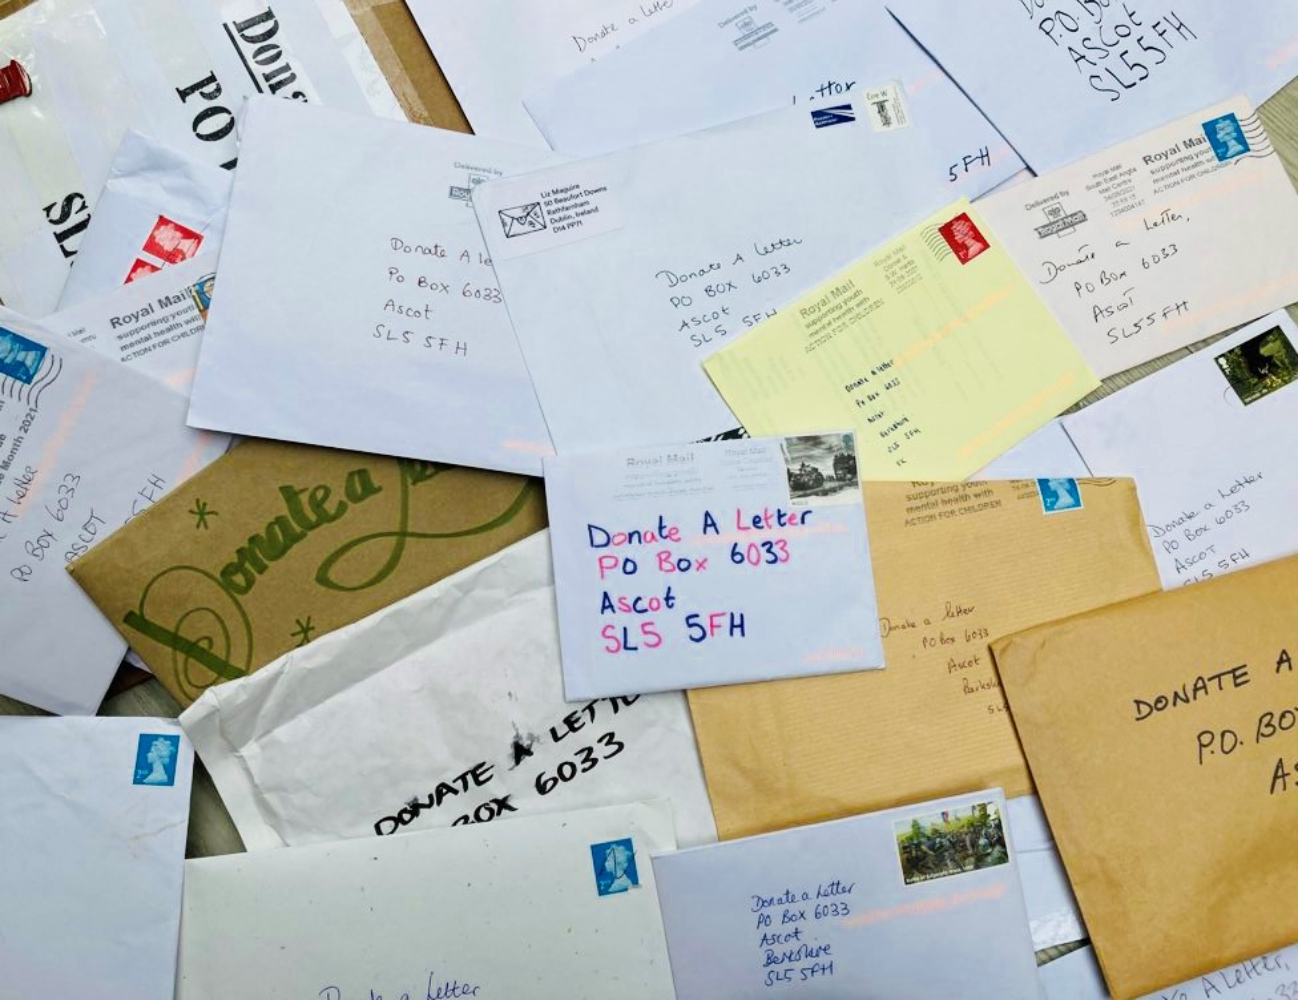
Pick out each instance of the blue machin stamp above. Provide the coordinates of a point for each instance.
(1226, 137)
(615, 870)
(155, 759)
(20, 358)
(1059, 495)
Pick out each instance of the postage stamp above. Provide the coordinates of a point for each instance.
(963, 237)
(522, 219)
(1226, 137)
(887, 107)
(202, 294)
(952, 842)
(615, 870)
(155, 759)
(1259, 366)
(20, 358)
(839, 114)
(1059, 495)
(171, 242)
(139, 269)
(821, 470)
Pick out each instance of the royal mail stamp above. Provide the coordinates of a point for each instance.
(615, 870)
(140, 269)
(1226, 137)
(201, 292)
(155, 759)
(963, 237)
(171, 242)
(1059, 495)
(1260, 365)
(951, 842)
(20, 357)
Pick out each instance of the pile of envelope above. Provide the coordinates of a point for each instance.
(667, 543)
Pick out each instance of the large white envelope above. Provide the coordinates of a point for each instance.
(177, 69)
(495, 51)
(560, 906)
(1119, 244)
(1072, 77)
(622, 273)
(1047, 453)
(1210, 442)
(720, 61)
(354, 273)
(159, 207)
(86, 444)
(918, 902)
(1273, 976)
(444, 708)
(92, 848)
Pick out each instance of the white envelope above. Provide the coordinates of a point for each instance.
(1209, 441)
(1044, 454)
(85, 445)
(93, 830)
(859, 907)
(1068, 78)
(721, 61)
(154, 324)
(159, 207)
(1117, 243)
(696, 565)
(1054, 917)
(495, 51)
(1077, 976)
(555, 906)
(176, 69)
(354, 272)
(444, 708)
(624, 272)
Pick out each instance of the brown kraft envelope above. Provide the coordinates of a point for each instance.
(1163, 734)
(955, 565)
(273, 545)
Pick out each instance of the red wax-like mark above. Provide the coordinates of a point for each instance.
(14, 82)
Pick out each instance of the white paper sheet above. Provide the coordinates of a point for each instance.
(634, 267)
(1212, 456)
(1053, 915)
(160, 207)
(1273, 976)
(1064, 79)
(721, 61)
(553, 906)
(1047, 453)
(834, 910)
(1161, 241)
(446, 707)
(691, 566)
(175, 69)
(383, 306)
(93, 831)
(85, 445)
(495, 51)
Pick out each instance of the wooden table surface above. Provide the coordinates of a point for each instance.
(210, 828)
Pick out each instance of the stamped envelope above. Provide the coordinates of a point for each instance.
(1161, 736)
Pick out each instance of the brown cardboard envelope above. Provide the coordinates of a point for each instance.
(955, 565)
(275, 544)
(1163, 734)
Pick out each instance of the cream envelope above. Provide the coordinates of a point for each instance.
(933, 347)
(85, 445)
(1116, 244)
(495, 51)
(555, 906)
(1209, 441)
(1064, 79)
(1185, 710)
(623, 273)
(386, 304)
(1077, 976)
(918, 902)
(93, 833)
(444, 708)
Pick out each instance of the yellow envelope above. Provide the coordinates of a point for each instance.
(1163, 734)
(955, 564)
(272, 545)
(935, 348)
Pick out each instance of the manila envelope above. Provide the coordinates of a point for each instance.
(955, 565)
(1163, 736)
(275, 544)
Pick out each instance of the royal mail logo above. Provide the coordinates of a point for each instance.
(523, 219)
(840, 114)
(1060, 222)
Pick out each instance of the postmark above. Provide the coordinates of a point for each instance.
(950, 842)
(886, 107)
(1259, 366)
(1226, 137)
(821, 470)
(171, 242)
(614, 863)
(155, 759)
(20, 357)
(964, 239)
(1059, 495)
(522, 219)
